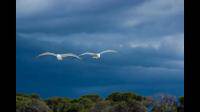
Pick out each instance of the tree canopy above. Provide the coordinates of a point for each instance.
(115, 102)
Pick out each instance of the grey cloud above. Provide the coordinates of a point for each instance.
(170, 44)
(70, 6)
(107, 16)
(166, 51)
(148, 34)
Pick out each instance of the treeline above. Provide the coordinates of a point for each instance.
(115, 102)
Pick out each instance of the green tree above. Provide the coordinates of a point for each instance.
(74, 107)
(165, 103)
(34, 95)
(136, 106)
(27, 104)
(92, 97)
(181, 106)
(181, 100)
(101, 106)
(85, 103)
(117, 97)
(128, 106)
(119, 107)
(58, 104)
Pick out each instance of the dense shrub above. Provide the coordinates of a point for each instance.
(58, 104)
(115, 102)
(165, 103)
(28, 104)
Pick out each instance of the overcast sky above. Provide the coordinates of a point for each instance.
(148, 35)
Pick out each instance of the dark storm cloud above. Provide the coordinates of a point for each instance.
(148, 35)
(69, 15)
(66, 16)
(162, 52)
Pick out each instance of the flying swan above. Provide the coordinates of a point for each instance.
(59, 56)
(98, 55)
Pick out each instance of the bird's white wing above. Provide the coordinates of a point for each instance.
(108, 51)
(46, 53)
(87, 53)
(70, 55)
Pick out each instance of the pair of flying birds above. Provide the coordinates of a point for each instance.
(66, 55)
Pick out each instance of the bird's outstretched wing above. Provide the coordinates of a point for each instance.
(87, 53)
(70, 55)
(108, 51)
(46, 53)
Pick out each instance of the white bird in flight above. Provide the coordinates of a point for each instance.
(98, 55)
(59, 56)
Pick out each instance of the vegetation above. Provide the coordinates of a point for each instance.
(115, 102)
(27, 103)
(181, 105)
(165, 103)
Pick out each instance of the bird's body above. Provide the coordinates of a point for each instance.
(98, 55)
(59, 57)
